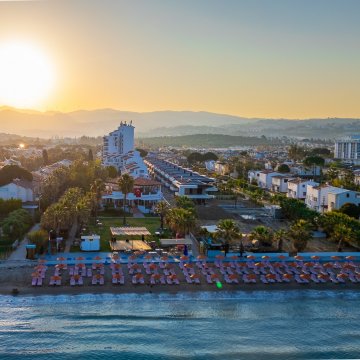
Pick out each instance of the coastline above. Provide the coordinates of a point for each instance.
(20, 278)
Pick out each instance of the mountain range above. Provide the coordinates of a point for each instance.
(166, 123)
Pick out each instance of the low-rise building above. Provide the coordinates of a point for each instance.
(265, 178)
(297, 188)
(336, 199)
(17, 189)
(146, 194)
(279, 183)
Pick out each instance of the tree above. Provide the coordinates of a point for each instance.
(45, 157)
(263, 234)
(10, 172)
(228, 231)
(209, 156)
(180, 220)
(299, 234)
(185, 203)
(314, 160)
(280, 236)
(143, 153)
(162, 208)
(112, 172)
(126, 185)
(294, 209)
(96, 190)
(194, 158)
(90, 155)
(283, 168)
(296, 152)
(341, 234)
(351, 210)
(15, 225)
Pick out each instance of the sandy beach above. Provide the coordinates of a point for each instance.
(19, 277)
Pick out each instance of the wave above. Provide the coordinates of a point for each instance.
(182, 296)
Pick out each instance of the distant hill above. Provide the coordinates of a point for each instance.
(165, 123)
(206, 141)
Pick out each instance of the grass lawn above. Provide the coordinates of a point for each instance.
(151, 223)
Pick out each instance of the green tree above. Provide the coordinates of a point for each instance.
(283, 168)
(180, 220)
(194, 158)
(228, 231)
(296, 152)
(162, 209)
(279, 237)
(143, 153)
(263, 234)
(342, 234)
(45, 157)
(10, 172)
(351, 210)
(90, 155)
(299, 234)
(112, 172)
(96, 190)
(126, 185)
(209, 156)
(185, 203)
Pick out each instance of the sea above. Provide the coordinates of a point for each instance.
(294, 324)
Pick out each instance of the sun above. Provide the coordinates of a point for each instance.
(26, 75)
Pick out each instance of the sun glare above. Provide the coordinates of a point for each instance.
(26, 75)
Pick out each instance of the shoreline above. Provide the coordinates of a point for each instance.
(19, 278)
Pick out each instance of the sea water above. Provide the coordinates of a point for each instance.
(243, 325)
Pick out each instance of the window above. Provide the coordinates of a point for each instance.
(347, 195)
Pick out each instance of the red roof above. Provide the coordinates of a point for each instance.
(145, 182)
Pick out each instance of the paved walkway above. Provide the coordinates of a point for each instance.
(137, 213)
(20, 252)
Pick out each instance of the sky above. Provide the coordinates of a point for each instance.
(251, 58)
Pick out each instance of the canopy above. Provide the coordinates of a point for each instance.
(128, 231)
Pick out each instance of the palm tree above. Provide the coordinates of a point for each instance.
(126, 185)
(228, 231)
(279, 236)
(162, 208)
(263, 234)
(300, 233)
(96, 189)
(180, 220)
(342, 234)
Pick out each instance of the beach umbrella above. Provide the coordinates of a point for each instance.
(164, 258)
(305, 276)
(97, 258)
(132, 257)
(251, 276)
(35, 274)
(148, 257)
(214, 276)
(116, 276)
(116, 256)
(270, 276)
(328, 265)
(194, 276)
(152, 266)
(335, 257)
(42, 261)
(287, 276)
(250, 257)
(201, 257)
(298, 257)
(315, 257)
(226, 264)
(232, 277)
(156, 276)
(184, 258)
(234, 257)
(342, 276)
(79, 258)
(281, 257)
(61, 258)
(188, 265)
(265, 257)
(220, 257)
(309, 264)
(168, 266)
(259, 264)
(350, 257)
(322, 276)
(60, 266)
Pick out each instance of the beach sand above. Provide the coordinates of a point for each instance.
(19, 277)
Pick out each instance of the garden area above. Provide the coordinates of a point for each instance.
(151, 223)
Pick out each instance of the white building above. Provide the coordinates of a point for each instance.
(210, 165)
(357, 177)
(327, 198)
(147, 193)
(348, 149)
(279, 183)
(264, 178)
(17, 189)
(118, 151)
(303, 171)
(297, 188)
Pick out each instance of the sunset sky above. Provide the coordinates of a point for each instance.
(255, 58)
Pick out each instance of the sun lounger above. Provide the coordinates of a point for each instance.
(89, 272)
(94, 281)
(114, 280)
(58, 282)
(263, 279)
(314, 278)
(72, 281)
(102, 281)
(71, 271)
(122, 280)
(162, 280)
(169, 281)
(52, 282)
(197, 281)
(188, 279)
(34, 281)
(134, 280)
(39, 281)
(333, 279)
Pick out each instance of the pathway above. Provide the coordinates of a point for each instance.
(137, 213)
(20, 252)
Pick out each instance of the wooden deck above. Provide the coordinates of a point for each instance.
(136, 245)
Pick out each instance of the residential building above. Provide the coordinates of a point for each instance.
(221, 167)
(118, 151)
(279, 183)
(324, 198)
(348, 149)
(181, 181)
(297, 188)
(357, 177)
(17, 189)
(147, 193)
(303, 171)
(264, 178)
(210, 165)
